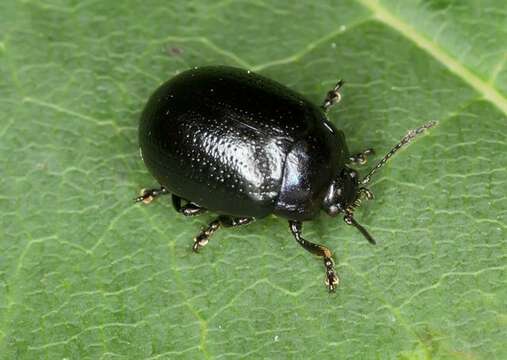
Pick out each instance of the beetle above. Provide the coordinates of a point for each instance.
(243, 146)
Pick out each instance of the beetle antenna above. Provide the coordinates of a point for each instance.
(349, 219)
(411, 135)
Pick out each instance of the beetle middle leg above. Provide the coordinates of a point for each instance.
(362, 157)
(148, 195)
(189, 209)
(222, 221)
(296, 227)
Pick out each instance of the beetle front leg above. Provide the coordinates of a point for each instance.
(223, 220)
(148, 195)
(189, 209)
(331, 280)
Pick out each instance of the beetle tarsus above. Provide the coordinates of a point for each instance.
(331, 280)
(333, 96)
(226, 221)
(362, 157)
(148, 195)
(203, 237)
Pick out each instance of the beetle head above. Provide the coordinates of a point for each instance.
(346, 191)
(344, 196)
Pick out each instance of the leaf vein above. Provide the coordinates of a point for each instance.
(438, 53)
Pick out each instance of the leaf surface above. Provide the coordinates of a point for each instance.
(85, 273)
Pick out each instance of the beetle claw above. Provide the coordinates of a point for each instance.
(197, 245)
(331, 282)
(200, 241)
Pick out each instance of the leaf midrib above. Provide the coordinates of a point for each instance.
(488, 92)
(383, 15)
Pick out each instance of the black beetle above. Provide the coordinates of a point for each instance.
(244, 146)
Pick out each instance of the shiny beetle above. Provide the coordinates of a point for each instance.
(243, 146)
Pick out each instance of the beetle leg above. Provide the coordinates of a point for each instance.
(331, 280)
(361, 158)
(147, 195)
(189, 209)
(223, 220)
(332, 97)
(230, 221)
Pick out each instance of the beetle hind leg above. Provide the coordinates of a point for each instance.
(362, 157)
(148, 195)
(331, 279)
(222, 221)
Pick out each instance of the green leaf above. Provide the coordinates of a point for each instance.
(86, 273)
